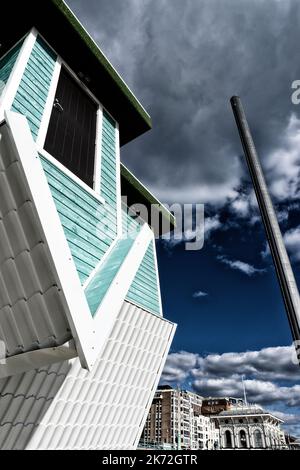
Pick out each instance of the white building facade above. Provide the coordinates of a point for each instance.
(249, 427)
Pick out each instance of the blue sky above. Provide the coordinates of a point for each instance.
(232, 307)
(240, 310)
(184, 59)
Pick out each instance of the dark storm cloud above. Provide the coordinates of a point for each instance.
(270, 374)
(269, 364)
(184, 59)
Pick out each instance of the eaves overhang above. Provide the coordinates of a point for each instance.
(136, 193)
(60, 27)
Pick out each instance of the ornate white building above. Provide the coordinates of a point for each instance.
(249, 427)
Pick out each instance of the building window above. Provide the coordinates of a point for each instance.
(258, 442)
(243, 439)
(71, 135)
(228, 440)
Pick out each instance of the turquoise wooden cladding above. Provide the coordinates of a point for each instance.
(83, 218)
(32, 93)
(89, 225)
(7, 64)
(130, 222)
(102, 280)
(144, 290)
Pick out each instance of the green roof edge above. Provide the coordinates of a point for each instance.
(148, 195)
(61, 5)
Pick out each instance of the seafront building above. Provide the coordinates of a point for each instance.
(249, 427)
(180, 419)
(175, 421)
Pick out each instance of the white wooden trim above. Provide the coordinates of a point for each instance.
(49, 105)
(90, 333)
(98, 151)
(13, 83)
(118, 182)
(71, 175)
(35, 360)
(111, 304)
(75, 304)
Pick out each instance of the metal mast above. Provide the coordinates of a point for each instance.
(281, 260)
(244, 389)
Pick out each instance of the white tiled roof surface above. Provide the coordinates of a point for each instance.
(31, 310)
(66, 407)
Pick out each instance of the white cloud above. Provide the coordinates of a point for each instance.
(179, 366)
(199, 294)
(216, 194)
(241, 206)
(266, 251)
(202, 231)
(211, 224)
(283, 163)
(255, 219)
(271, 378)
(271, 375)
(244, 205)
(288, 418)
(258, 391)
(282, 215)
(292, 242)
(240, 266)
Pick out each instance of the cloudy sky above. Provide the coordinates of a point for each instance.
(184, 59)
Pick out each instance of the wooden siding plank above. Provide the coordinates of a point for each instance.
(144, 290)
(80, 215)
(31, 96)
(8, 61)
(99, 285)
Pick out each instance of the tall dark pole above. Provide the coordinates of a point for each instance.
(281, 260)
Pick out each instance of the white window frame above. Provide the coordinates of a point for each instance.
(71, 175)
(41, 139)
(40, 142)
